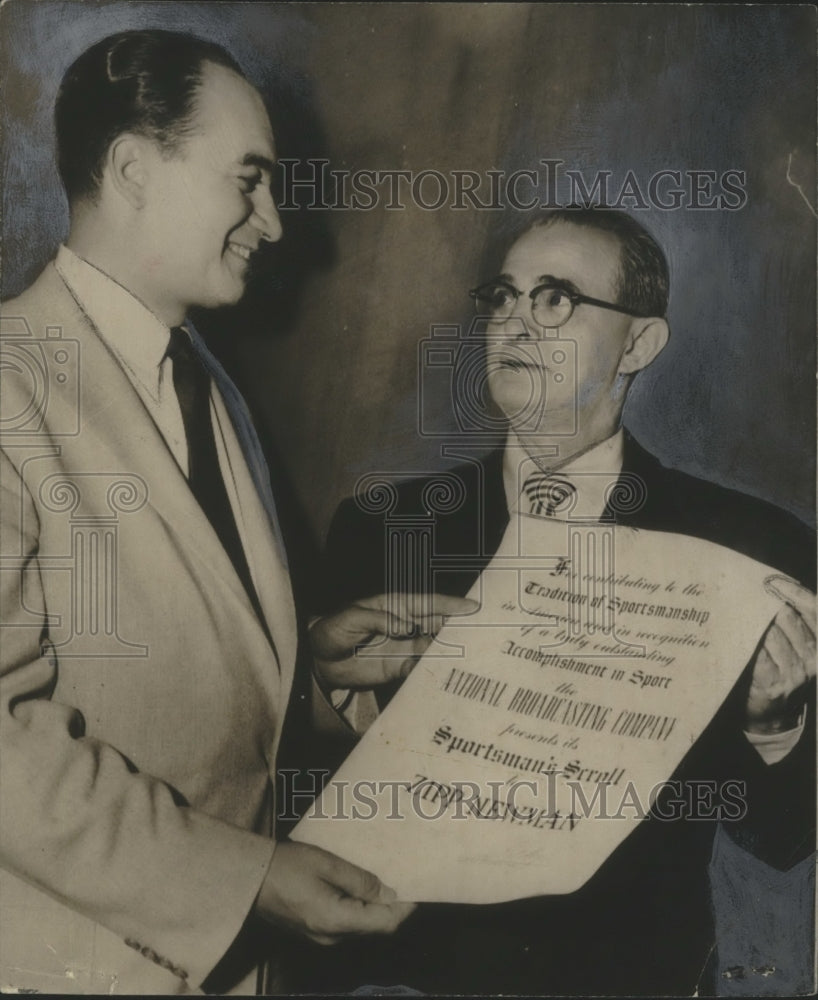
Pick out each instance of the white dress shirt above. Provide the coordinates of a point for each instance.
(591, 473)
(138, 339)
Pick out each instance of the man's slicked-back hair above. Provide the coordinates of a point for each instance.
(143, 82)
(643, 285)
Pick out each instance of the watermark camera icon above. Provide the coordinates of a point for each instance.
(457, 368)
(34, 370)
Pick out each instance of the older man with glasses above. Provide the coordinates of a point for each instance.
(577, 312)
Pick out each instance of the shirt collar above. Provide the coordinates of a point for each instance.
(592, 472)
(134, 333)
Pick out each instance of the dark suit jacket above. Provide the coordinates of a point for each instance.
(642, 924)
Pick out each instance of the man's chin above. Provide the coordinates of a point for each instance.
(229, 292)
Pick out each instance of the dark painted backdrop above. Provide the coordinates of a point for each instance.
(325, 346)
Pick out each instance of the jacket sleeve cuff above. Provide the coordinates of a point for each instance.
(231, 898)
(774, 747)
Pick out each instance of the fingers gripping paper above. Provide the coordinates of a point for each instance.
(533, 735)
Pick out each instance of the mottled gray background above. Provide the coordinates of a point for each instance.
(325, 345)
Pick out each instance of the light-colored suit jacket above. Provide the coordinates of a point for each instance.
(141, 699)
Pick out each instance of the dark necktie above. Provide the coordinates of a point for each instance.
(549, 495)
(192, 384)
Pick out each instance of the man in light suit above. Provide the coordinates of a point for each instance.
(149, 632)
(643, 924)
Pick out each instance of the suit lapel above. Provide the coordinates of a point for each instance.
(117, 433)
(642, 476)
(262, 545)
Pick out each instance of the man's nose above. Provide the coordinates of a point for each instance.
(265, 215)
(520, 323)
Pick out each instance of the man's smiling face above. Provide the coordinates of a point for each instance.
(208, 204)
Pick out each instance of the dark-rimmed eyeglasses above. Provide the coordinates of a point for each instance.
(551, 305)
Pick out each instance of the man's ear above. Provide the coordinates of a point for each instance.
(126, 167)
(646, 339)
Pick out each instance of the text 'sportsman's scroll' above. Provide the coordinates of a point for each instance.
(534, 734)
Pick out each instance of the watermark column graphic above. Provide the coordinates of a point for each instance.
(46, 374)
(93, 556)
(409, 541)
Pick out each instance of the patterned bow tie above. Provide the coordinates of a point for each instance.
(549, 496)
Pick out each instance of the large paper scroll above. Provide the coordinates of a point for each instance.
(534, 735)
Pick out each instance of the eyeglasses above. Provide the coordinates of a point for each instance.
(552, 305)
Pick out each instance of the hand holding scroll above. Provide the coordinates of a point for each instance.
(317, 894)
(785, 663)
(394, 631)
